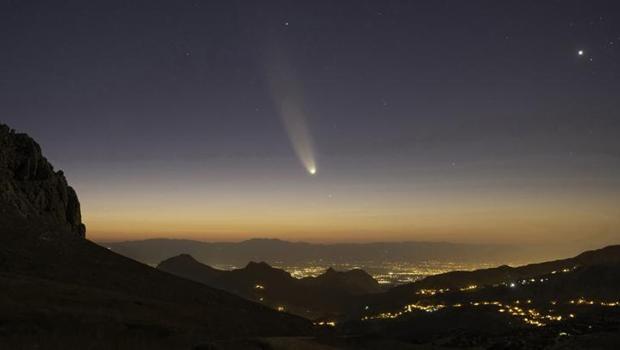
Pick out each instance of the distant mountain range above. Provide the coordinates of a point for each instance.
(310, 297)
(275, 251)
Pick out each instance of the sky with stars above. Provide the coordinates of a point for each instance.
(327, 121)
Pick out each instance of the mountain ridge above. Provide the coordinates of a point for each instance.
(309, 297)
(276, 251)
(502, 275)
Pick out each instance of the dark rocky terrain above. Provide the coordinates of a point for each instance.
(311, 297)
(61, 291)
(34, 198)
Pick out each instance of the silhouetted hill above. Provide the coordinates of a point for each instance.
(58, 286)
(590, 274)
(34, 198)
(153, 251)
(461, 279)
(311, 297)
(529, 307)
(354, 281)
(186, 266)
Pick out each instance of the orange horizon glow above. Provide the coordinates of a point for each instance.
(328, 220)
(347, 202)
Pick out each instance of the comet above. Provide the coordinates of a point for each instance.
(288, 99)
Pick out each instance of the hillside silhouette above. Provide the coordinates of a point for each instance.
(311, 297)
(153, 251)
(58, 285)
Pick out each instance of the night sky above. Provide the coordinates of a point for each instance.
(466, 121)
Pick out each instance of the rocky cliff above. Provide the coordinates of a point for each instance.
(34, 199)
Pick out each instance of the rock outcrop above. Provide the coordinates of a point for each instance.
(34, 199)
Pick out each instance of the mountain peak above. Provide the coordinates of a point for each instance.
(356, 281)
(35, 199)
(253, 265)
(181, 258)
(187, 266)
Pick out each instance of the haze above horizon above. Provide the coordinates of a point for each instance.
(472, 122)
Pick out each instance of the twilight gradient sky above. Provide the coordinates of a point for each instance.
(468, 121)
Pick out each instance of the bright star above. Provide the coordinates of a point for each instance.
(580, 52)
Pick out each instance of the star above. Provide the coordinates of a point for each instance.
(580, 52)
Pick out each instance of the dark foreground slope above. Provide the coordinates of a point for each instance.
(58, 290)
(311, 297)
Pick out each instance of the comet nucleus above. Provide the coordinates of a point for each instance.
(288, 100)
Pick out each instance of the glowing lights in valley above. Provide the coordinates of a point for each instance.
(530, 316)
(406, 309)
(525, 310)
(470, 287)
